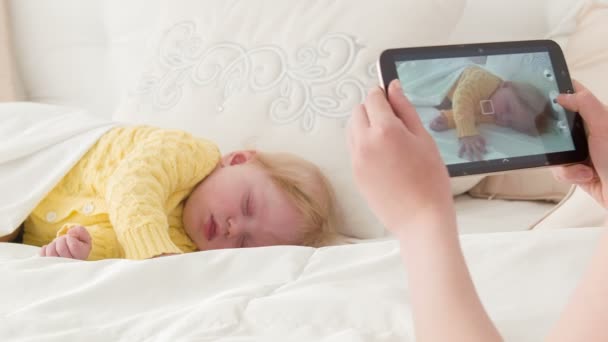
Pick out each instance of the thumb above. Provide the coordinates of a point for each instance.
(81, 234)
(585, 103)
(403, 108)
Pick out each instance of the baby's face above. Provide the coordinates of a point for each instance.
(238, 205)
(511, 112)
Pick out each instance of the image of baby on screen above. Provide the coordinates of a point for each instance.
(478, 96)
(488, 107)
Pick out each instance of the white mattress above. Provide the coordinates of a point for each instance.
(344, 293)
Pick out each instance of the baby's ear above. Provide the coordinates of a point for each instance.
(237, 157)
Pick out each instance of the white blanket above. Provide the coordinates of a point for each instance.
(344, 293)
(39, 144)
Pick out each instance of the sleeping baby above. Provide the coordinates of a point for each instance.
(143, 192)
(478, 96)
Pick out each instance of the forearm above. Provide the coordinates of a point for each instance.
(464, 121)
(587, 312)
(449, 116)
(445, 304)
(138, 218)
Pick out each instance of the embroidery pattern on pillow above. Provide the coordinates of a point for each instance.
(302, 78)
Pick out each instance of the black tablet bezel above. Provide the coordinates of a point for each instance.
(388, 72)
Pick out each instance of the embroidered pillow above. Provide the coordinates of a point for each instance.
(280, 76)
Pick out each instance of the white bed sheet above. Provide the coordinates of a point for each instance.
(344, 293)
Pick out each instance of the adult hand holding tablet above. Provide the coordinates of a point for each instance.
(491, 107)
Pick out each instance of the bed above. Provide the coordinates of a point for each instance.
(343, 293)
(199, 65)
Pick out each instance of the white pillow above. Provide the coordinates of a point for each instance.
(280, 76)
(577, 210)
(562, 16)
(496, 20)
(588, 61)
(587, 52)
(525, 185)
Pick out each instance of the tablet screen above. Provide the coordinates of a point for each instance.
(488, 107)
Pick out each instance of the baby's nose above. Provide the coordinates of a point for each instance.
(235, 227)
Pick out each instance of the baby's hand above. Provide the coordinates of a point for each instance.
(439, 123)
(76, 244)
(472, 147)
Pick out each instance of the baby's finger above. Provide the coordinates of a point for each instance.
(78, 249)
(471, 152)
(575, 174)
(63, 250)
(51, 249)
(479, 153)
(81, 234)
(42, 251)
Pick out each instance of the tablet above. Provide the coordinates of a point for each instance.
(491, 107)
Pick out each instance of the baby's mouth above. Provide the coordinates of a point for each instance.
(210, 228)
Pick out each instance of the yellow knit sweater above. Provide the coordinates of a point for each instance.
(474, 86)
(128, 192)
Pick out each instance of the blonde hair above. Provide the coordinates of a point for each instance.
(309, 190)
